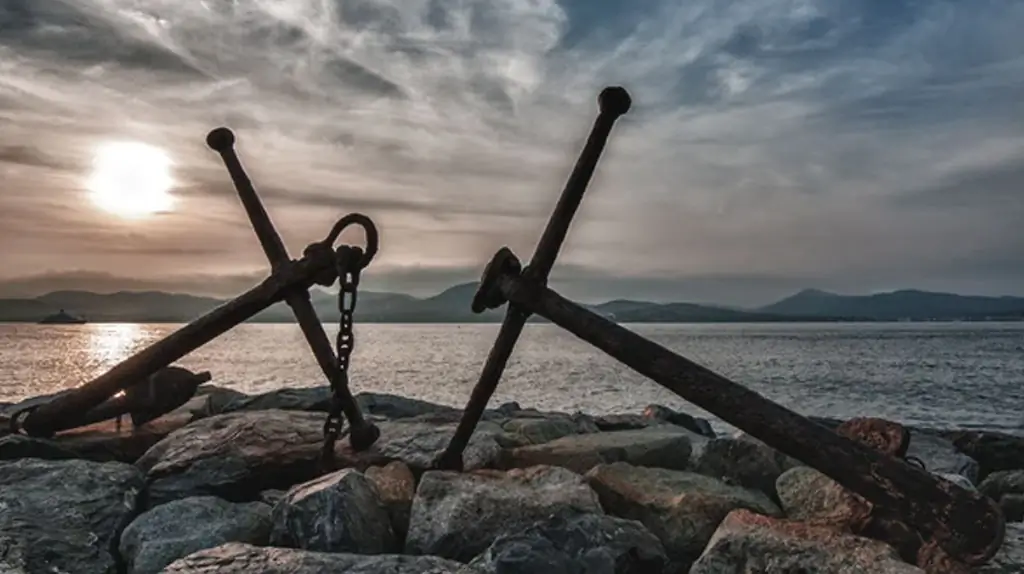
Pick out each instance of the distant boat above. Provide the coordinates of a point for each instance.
(62, 318)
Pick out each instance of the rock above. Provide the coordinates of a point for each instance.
(747, 542)
(532, 431)
(17, 446)
(237, 558)
(64, 516)
(575, 543)
(782, 460)
(693, 424)
(681, 508)
(271, 497)
(399, 407)
(993, 451)
(458, 515)
(316, 399)
(1010, 558)
(238, 455)
(957, 479)
(210, 400)
(940, 455)
(668, 448)
(176, 529)
(1001, 483)
(810, 496)
(621, 422)
(338, 512)
(102, 442)
(739, 462)
(1012, 506)
(396, 487)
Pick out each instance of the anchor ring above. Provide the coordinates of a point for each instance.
(372, 235)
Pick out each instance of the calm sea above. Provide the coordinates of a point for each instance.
(952, 374)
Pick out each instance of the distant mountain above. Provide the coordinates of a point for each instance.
(453, 306)
(903, 305)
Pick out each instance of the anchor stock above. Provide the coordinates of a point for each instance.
(966, 525)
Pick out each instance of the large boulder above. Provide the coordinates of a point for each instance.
(64, 516)
(689, 422)
(458, 515)
(396, 487)
(316, 399)
(238, 455)
(575, 543)
(338, 512)
(940, 455)
(236, 558)
(993, 451)
(739, 462)
(1007, 488)
(748, 542)
(398, 407)
(667, 448)
(812, 497)
(681, 508)
(176, 529)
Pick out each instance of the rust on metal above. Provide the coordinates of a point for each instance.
(613, 102)
(362, 432)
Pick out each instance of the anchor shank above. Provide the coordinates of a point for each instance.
(47, 418)
(929, 503)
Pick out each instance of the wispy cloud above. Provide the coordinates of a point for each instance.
(855, 142)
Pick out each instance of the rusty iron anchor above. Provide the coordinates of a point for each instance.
(966, 525)
(362, 433)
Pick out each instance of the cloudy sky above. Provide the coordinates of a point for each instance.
(855, 145)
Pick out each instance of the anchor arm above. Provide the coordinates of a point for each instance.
(613, 103)
(967, 525)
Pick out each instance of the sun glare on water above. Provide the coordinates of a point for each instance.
(131, 179)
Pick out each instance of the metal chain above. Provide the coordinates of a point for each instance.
(347, 263)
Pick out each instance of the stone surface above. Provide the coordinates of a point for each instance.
(681, 508)
(940, 455)
(458, 516)
(271, 497)
(808, 495)
(174, 530)
(337, 512)
(746, 542)
(667, 448)
(689, 422)
(64, 516)
(1012, 506)
(576, 543)
(235, 558)
(1001, 483)
(532, 431)
(17, 446)
(993, 451)
(782, 460)
(210, 400)
(238, 455)
(399, 407)
(288, 399)
(396, 487)
(739, 462)
(102, 442)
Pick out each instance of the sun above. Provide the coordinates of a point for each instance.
(131, 179)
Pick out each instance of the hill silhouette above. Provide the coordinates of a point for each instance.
(453, 306)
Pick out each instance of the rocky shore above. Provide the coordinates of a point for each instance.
(231, 483)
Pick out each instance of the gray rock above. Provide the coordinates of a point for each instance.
(940, 455)
(994, 451)
(271, 497)
(396, 487)
(576, 543)
(808, 495)
(210, 400)
(338, 512)
(1001, 483)
(316, 399)
(957, 479)
(1010, 558)
(532, 431)
(746, 542)
(621, 422)
(399, 407)
(1012, 506)
(238, 455)
(739, 462)
(237, 558)
(458, 516)
(784, 461)
(64, 516)
(17, 446)
(176, 529)
(662, 447)
(681, 508)
(689, 422)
